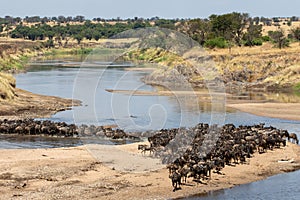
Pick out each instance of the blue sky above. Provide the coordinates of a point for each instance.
(149, 8)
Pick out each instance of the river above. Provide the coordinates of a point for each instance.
(138, 113)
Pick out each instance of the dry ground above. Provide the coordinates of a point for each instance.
(74, 173)
(29, 105)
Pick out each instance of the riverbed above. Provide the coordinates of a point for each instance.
(141, 113)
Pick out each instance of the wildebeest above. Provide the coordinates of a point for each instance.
(176, 180)
(294, 138)
(145, 148)
(184, 173)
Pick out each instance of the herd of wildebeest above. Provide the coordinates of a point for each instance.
(187, 152)
(59, 129)
(204, 149)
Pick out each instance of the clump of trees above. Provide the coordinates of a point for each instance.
(222, 31)
(78, 32)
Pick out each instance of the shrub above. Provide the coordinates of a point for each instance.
(257, 42)
(297, 87)
(265, 38)
(254, 42)
(218, 42)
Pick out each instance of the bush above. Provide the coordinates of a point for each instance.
(257, 42)
(254, 42)
(218, 42)
(297, 87)
(265, 38)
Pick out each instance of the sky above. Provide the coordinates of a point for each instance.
(147, 9)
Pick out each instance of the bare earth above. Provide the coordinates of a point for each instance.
(74, 173)
(29, 105)
(289, 111)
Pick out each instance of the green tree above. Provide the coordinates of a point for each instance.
(88, 34)
(230, 26)
(78, 37)
(256, 20)
(279, 38)
(198, 30)
(96, 35)
(296, 33)
(253, 35)
(165, 23)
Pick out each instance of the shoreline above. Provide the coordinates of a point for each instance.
(286, 111)
(71, 173)
(28, 105)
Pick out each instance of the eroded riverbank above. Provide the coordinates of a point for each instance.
(29, 105)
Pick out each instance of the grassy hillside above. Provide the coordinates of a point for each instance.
(264, 67)
(13, 56)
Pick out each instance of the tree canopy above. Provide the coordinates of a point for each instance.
(217, 31)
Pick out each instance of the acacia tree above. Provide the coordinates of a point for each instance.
(198, 29)
(78, 37)
(279, 38)
(230, 26)
(296, 33)
(253, 34)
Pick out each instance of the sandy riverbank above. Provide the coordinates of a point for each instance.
(289, 111)
(75, 173)
(29, 105)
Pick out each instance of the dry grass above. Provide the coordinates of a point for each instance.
(264, 64)
(7, 85)
(282, 26)
(288, 75)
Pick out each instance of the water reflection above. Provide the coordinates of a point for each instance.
(283, 97)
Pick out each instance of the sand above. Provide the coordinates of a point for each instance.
(289, 111)
(169, 93)
(85, 173)
(29, 105)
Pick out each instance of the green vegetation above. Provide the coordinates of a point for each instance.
(15, 62)
(219, 31)
(67, 35)
(78, 32)
(279, 38)
(219, 42)
(297, 87)
(296, 33)
(70, 51)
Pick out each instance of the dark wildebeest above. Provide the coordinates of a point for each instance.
(184, 173)
(176, 180)
(145, 148)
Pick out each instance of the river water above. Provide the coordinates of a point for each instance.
(138, 113)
